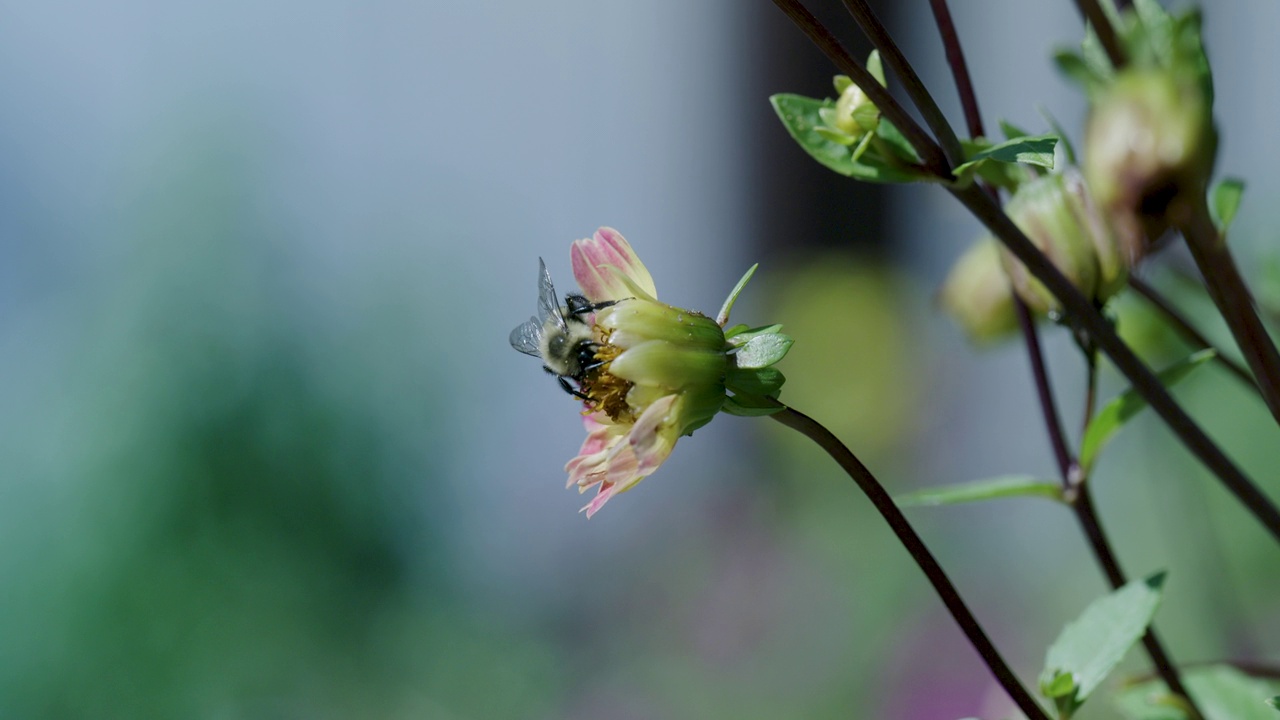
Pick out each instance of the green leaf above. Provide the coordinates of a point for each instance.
(1274, 702)
(1090, 647)
(1121, 409)
(1225, 201)
(1068, 150)
(799, 115)
(741, 334)
(989, 489)
(1037, 150)
(1221, 691)
(762, 350)
(1012, 131)
(751, 406)
(1077, 69)
(723, 316)
(875, 67)
(765, 382)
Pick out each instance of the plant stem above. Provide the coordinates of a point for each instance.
(1074, 482)
(1187, 331)
(1039, 372)
(1080, 311)
(959, 68)
(1080, 498)
(1082, 504)
(911, 83)
(1229, 293)
(919, 552)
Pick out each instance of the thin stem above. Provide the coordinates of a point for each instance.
(1229, 293)
(1187, 331)
(1091, 388)
(911, 83)
(959, 68)
(1082, 503)
(1080, 311)
(924, 145)
(1048, 407)
(880, 498)
(1110, 42)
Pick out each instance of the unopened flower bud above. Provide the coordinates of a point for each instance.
(1149, 140)
(977, 294)
(853, 116)
(1060, 217)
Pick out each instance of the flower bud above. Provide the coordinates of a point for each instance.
(853, 116)
(1149, 140)
(977, 294)
(1060, 217)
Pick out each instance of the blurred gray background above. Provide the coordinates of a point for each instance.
(265, 452)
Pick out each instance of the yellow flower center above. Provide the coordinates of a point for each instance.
(605, 391)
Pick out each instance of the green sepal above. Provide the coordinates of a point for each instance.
(723, 316)
(760, 350)
(1224, 200)
(1125, 406)
(751, 406)
(1090, 647)
(879, 163)
(739, 334)
(765, 382)
(989, 489)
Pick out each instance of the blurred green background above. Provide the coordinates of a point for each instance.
(266, 454)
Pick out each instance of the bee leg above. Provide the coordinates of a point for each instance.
(579, 305)
(572, 390)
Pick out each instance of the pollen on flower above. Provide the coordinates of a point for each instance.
(605, 391)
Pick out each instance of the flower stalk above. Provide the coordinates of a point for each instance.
(919, 552)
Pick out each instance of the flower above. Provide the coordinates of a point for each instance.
(663, 374)
(647, 373)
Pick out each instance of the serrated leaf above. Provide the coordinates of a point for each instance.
(1124, 407)
(1220, 691)
(799, 115)
(723, 316)
(1090, 647)
(1036, 151)
(751, 406)
(762, 350)
(1225, 201)
(989, 489)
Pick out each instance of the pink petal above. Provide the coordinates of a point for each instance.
(652, 438)
(606, 491)
(598, 261)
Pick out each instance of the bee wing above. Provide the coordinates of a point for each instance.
(548, 303)
(527, 337)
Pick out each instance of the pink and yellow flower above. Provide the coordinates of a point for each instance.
(663, 375)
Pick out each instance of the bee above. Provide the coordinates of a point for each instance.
(560, 335)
